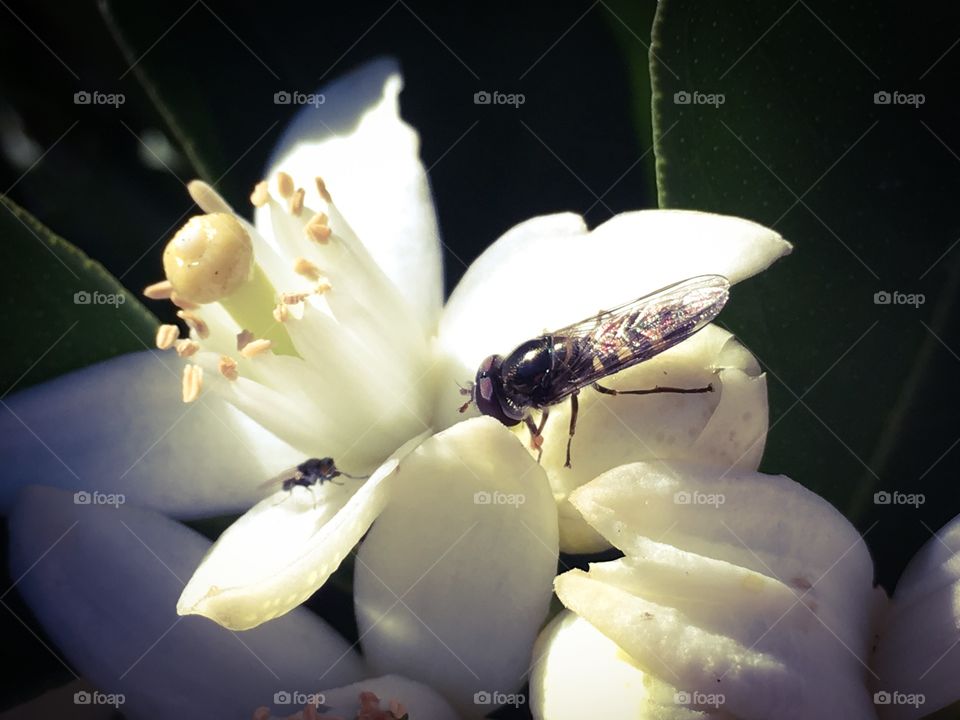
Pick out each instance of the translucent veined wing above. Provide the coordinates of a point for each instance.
(616, 339)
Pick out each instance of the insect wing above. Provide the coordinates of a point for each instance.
(276, 482)
(620, 338)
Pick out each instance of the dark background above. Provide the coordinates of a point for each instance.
(578, 143)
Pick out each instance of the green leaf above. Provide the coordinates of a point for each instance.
(631, 22)
(793, 139)
(61, 310)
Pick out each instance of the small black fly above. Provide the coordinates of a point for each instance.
(311, 473)
(548, 369)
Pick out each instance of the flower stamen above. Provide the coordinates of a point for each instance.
(228, 368)
(167, 335)
(307, 269)
(256, 347)
(322, 189)
(260, 195)
(318, 229)
(192, 382)
(285, 185)
(296, 202)
(185, 348)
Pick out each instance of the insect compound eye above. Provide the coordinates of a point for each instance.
(488, 391)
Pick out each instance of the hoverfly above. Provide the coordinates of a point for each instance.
(311, 472)
(548, 369)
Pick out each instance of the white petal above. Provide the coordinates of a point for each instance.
(747, 584)
(549, 272)
(581, 673)
(454, 579)
(284, 548)
(103, 582)
(120, 427)
(369, 159)
(918, 652)
(419, 700)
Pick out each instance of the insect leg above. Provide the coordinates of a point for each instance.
(574, 409)
(685, 391)
(536, 439)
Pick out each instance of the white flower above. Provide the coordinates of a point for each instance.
(318, 331)
(917, 659)
(743, 595)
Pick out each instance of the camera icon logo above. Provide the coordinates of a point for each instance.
(682, 97)
(682, 697)
(81, 297)
(282, 697)
(482, 698)
(482, 498)
(82, 697)
(82, 97)
(681, 498)
(81, 498)
(882, 498)
(882, 97)
(882, 298)
(282, 97)
(881, 697)
(482, 98)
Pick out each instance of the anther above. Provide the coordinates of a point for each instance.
(284, 185)
(302, 266)
(322, 189)
(317, 228)
(293, 298)
(192, 382)
(228, 367)
(256, 347)
(185, 348)
(296, 202)
(260, 195)
(166, 336)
